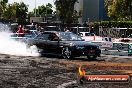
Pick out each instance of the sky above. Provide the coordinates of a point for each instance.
(31, 3)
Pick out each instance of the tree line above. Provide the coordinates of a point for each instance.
(117, 10)
(15, 11)
(64, 9)
(120, 10)
(19, 11)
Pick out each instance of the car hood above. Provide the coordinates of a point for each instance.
(79, 43)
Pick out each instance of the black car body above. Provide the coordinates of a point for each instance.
(66, 44)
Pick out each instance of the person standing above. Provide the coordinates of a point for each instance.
(66, 29)
(20, 30)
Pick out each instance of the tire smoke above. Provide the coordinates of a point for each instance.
(13, 47)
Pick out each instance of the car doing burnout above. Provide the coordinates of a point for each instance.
(66, 44)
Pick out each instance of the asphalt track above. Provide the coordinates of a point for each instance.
(54, 72)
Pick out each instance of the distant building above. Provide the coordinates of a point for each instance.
(92, 10)
(43, 18)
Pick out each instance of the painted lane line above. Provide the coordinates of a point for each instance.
(66, 84)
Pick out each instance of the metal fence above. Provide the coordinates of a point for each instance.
(115, 32)
(79, 29)
(105, 32)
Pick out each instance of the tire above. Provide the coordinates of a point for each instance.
(91, 57)
(66, 53)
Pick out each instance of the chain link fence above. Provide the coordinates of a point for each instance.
(115, 32)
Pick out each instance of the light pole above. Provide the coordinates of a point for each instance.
(46, 13)
(35, 8)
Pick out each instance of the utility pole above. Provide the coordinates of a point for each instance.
(35, 8)
(46, 12)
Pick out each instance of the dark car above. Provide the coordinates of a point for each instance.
(66, 44)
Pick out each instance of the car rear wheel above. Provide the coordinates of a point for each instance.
(91, 57)
(66, 53)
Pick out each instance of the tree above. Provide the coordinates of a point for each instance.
(65, 9)
(43, 10)
(5, 1)
(2, 7)
(21, 12)
(13, 11)
(119, 9)
(10, 13)
(49, 8)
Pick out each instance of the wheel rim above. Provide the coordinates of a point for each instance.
(66, 53)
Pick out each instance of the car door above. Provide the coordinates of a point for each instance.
(41, 41)
(53, 43)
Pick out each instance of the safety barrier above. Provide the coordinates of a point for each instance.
(122, 49)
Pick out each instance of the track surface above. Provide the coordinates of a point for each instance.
(51, 72)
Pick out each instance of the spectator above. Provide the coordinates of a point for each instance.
(85, 24)
(39, 28)
(20, 30)
(122, 36)
(66, 29)
(33, 27)
(36, 27)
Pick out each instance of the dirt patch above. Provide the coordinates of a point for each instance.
(122, 67)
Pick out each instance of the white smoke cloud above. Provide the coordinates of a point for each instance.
(13, 47)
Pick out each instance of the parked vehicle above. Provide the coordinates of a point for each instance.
(103, 42)
(125, 39)
(66, 44)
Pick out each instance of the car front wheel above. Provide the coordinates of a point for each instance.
(66, 53)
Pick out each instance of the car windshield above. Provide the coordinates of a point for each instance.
(68, 36)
